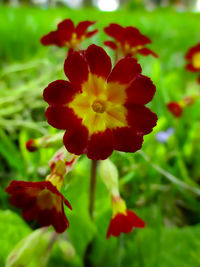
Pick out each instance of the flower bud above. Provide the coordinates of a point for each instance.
(61, 163)
(109, 175)
(44, 142)
(32, 251)
(31, 145)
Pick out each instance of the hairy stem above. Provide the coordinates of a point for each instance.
(92, 186)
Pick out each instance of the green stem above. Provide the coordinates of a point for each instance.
(93, 178)
(92, 187)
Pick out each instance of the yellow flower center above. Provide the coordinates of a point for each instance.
(47, 200)
(74, 42)
(127, 49)
(100, 105)
(196, 60)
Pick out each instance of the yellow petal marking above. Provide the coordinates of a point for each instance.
(196, 60)
(100, 105)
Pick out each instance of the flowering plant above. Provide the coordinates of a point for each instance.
(102, 109)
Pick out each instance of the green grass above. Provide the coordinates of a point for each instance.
(161, 183)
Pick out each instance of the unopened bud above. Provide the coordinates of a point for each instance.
(61, 163)
(32, 251)
(44, 142)
(31, 145)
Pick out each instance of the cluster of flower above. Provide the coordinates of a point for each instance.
(193, 58)
(101, 109)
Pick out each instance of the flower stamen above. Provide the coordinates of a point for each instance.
(98, 106)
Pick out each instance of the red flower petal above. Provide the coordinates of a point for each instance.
(193, 50)
(135, 220)
(146, 52)
(65, 30)
(100, 145)
(115, 30)
(76, 68)
(59, 92)
(99, 62)
(191, 68)
(175, 109)
(110, 44)
(76, 140)
(124, 223)
(30, 213)
(126, 140)
(52, 38)
(21, 199)
(141, 118)
(90, 34)
(134, 37)
(125, 71)
(45, 217)
(82, 27)
(60, 222)
(141, 90)
(61, 117)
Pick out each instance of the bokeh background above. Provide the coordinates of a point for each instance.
(161, 183)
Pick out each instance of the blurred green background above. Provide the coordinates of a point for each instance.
(160, 182)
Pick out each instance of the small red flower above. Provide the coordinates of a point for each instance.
(123, 220)
(193, 56)
(41, 201)
(68, 35)
(175, 108)
(101, 109)
(128, 40)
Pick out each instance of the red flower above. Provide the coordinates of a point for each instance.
(175, 108)
(123, 220)
(128, 40)
(69, 35)
(41, 201)
(193, 56)
(101, 110)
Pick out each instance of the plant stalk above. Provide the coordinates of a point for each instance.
(93, 175)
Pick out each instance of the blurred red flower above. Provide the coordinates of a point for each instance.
(193, 57)
(123, 220)
(101, 109)
(41, 201)
(31, 146)
(175, 108)
(128, 40)
(68, 35)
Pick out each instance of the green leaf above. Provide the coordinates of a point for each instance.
(12, 229)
